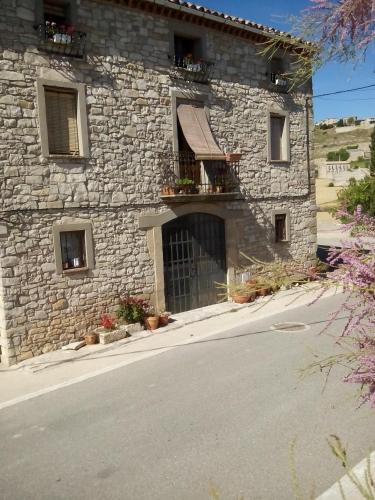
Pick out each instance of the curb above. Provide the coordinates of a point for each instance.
(186, 319)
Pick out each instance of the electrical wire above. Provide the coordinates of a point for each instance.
(343, 91)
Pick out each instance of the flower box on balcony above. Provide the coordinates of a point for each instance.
(63, 40)
(233, 157)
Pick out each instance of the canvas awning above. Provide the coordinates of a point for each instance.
(197, 132)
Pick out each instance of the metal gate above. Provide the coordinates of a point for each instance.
(194, 259)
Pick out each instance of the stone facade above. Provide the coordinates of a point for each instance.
(128, 94)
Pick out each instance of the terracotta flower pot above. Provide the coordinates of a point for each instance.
(240, 299)
(91, 338)
(152, 322)
(231, 157)
(163, 319)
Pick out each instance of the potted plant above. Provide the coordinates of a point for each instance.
(242, 292)
(168, 190)
(152, 320)
(185, 185)
(91, 338)
(164, 318)
(107, 322)
(132, 309)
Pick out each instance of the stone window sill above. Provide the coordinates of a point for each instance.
(66, 157)
(278, 162)
(75, 270)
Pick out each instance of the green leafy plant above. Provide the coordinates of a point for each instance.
(360, 192)
(340, 155)
(184, 182)
(132, 309)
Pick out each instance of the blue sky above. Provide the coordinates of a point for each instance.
(332, 77)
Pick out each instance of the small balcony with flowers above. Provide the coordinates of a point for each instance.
(61, 39)
(200, 170)
(188, 62)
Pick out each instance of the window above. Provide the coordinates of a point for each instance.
(73, 247)
(61, 111)
(60, 12)
(278, 137)
(187, 51)
(56, 12)
(73, 253)
(276, 68)
(62, 117)
(281, 225)
(277, 130)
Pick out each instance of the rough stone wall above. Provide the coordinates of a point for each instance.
(130, 121)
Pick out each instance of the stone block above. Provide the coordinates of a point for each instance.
(133, 328)
(60, 305)
(11, 75)
(106, 337)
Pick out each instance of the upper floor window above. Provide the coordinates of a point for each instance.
(62, 118)
(57, 12)
(187, 51)
(57, 24)
(61, 112)
(278, 137)
(276, 69)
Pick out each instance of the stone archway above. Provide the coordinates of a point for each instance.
(152, 222)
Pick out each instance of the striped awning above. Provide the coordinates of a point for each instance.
(197, 132)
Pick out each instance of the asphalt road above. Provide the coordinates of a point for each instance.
(219, 414)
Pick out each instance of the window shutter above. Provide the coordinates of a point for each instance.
(61, 110)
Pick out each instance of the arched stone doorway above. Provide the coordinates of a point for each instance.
(194, 256)
(152, 222)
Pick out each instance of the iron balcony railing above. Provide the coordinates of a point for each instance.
(199, 71)
(184, 175)
(61, 40)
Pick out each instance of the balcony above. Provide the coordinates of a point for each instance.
(65, 41)
(278, 82)
(184, 68)
(188, 179)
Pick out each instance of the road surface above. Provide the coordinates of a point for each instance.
(219, 414)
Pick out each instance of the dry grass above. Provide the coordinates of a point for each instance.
(326, 197)
(329, 140)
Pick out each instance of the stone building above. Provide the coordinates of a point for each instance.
(119, 122)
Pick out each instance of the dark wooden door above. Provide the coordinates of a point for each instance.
(194, 259)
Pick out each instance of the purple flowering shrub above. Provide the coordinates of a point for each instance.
(355, 272)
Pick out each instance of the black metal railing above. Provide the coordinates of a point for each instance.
(186, 69)
(183, 174)
(279, 81)
(63, 41)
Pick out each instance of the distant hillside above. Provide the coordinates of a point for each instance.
(329, 140)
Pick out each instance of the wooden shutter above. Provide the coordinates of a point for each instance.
(277, 128)
(61, 111)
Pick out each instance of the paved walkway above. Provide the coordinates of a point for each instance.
(37, 375)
